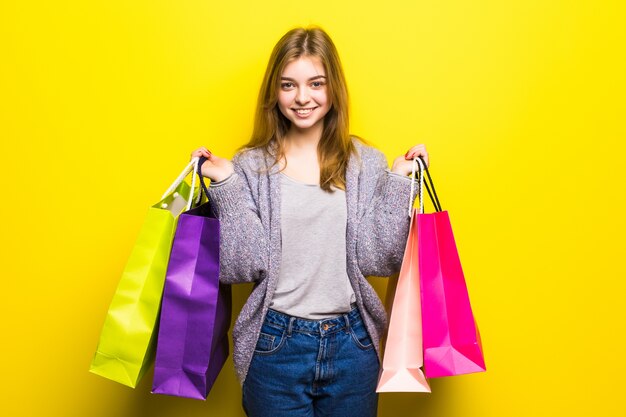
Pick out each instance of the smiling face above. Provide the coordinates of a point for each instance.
(302, 95)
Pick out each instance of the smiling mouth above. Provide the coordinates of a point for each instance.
(304, 112)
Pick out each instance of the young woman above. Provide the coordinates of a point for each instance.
(307, 211)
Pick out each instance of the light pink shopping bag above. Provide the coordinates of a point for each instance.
(400, 371)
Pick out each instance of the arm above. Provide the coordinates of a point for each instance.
(384, 225)
(244, 248)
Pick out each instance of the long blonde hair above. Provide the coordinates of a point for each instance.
(271, 126)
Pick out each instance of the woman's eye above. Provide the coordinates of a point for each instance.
(286, 85)
(317, 84)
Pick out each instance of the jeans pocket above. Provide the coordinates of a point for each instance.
(360, 336)
(270, 340)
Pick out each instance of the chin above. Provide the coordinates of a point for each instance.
(303, 125)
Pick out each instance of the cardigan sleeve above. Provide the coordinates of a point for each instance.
(244, 248)
(384, 225)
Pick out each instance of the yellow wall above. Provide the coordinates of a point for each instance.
(521, 104)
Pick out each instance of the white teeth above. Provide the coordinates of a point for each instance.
(303, 111)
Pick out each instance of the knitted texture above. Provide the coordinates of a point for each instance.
(248, 207)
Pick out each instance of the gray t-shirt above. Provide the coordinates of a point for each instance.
(313, 282)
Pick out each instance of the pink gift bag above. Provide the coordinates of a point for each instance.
(451, 340)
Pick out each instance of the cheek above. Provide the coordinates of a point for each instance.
(284, 100)
(321, 97)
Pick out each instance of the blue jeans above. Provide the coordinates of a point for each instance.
(313, 368)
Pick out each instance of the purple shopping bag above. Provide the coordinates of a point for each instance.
(451, 340)
(192, 344)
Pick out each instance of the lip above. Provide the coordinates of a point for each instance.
(305, 115)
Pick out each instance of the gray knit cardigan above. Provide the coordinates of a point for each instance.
(248, 207)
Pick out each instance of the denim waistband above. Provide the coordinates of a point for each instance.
(321, 327)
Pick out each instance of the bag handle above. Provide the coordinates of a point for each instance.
(432, 194)
(417, 175)
(201, 161)
(192, 166)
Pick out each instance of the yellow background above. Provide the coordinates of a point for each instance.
(521, 104)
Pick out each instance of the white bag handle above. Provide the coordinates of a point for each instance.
(192, 166)
(417, 161)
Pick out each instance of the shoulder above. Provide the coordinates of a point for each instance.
(251, 158)
(369, 157)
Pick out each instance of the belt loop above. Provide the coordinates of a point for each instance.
(347, 320)
(290, 327)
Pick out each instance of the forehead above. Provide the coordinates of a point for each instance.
(304, 67)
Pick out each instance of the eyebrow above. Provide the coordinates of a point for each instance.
(310, 79)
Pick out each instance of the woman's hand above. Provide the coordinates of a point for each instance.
(215, 168)
(403, 165)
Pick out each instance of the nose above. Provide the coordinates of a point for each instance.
(302, 97)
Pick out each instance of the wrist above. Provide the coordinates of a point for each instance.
(398, 170)
(221, 176)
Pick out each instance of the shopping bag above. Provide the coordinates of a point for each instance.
(402, 359)
(126, 346)
(452, 344)
(192, 344)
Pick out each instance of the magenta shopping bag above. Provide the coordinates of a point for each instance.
(192, 344)
(451, 340)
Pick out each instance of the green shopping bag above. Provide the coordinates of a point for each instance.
(127, 341)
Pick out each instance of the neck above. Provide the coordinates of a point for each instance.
(304, 138)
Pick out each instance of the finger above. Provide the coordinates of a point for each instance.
(417, 148)
(202, 152)
(414, 149)
(415, 153)
(424, 156)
